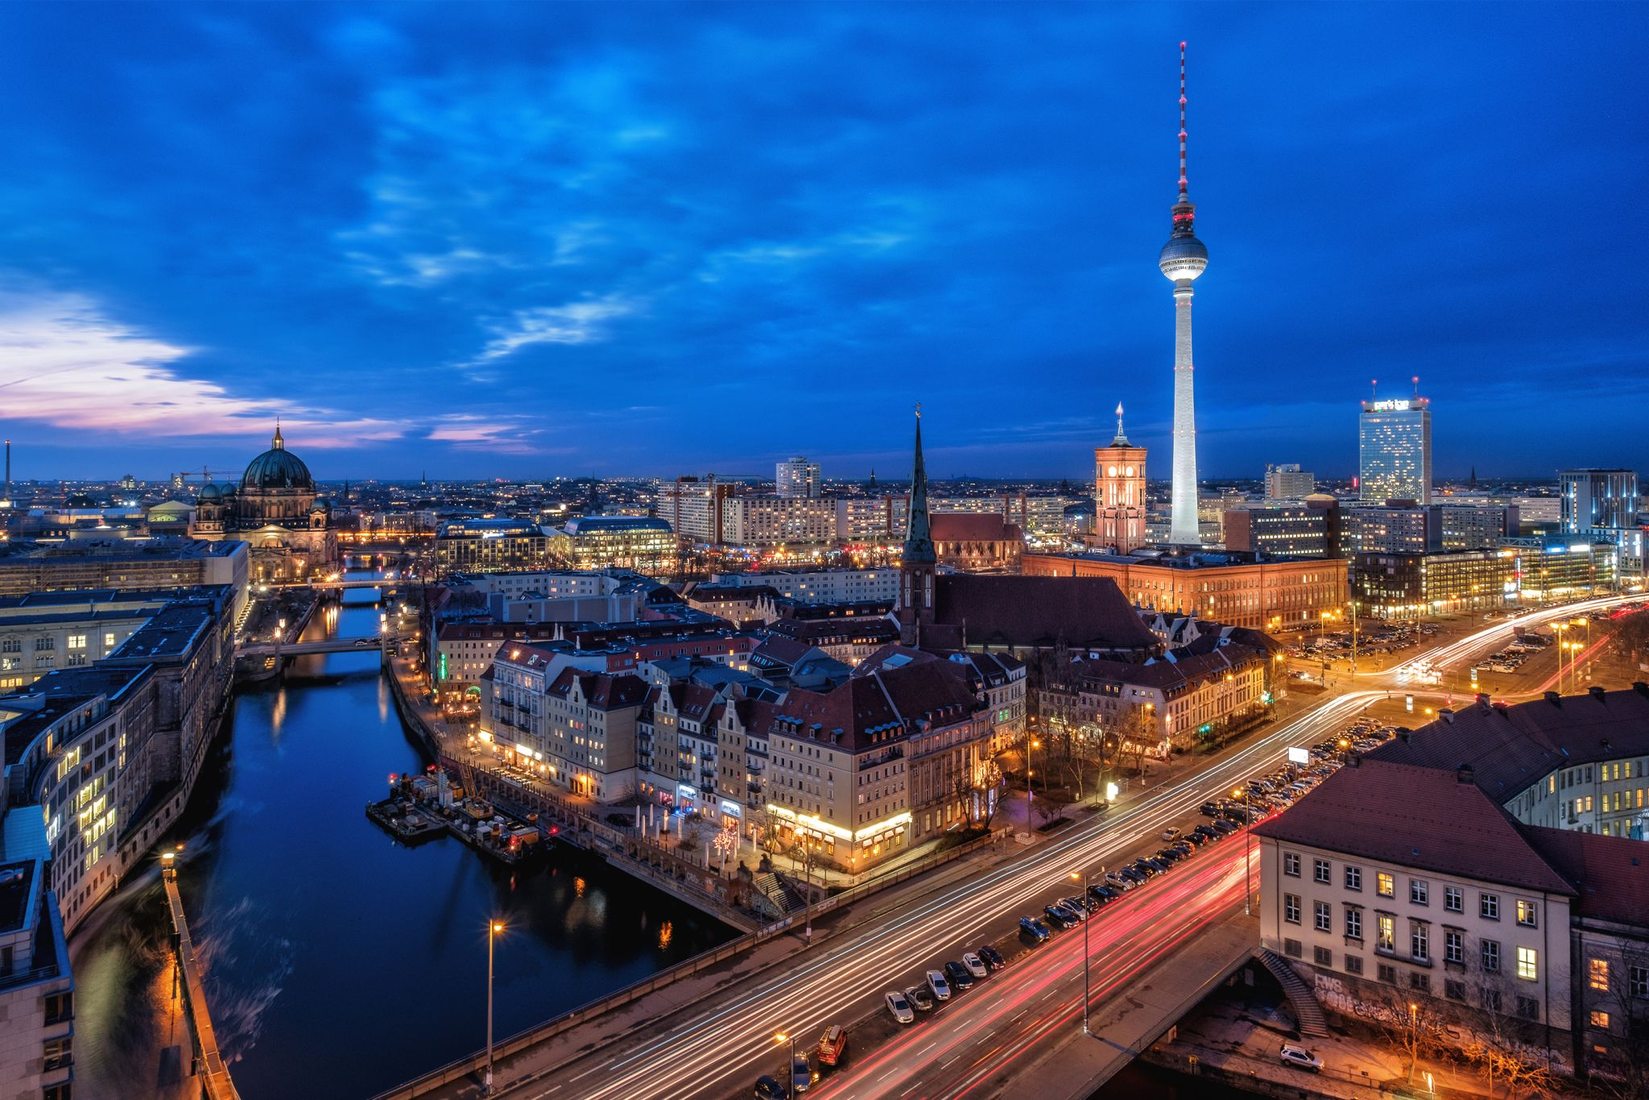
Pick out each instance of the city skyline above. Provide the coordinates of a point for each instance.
(508, 244)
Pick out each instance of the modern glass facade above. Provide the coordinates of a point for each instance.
(1394, 450)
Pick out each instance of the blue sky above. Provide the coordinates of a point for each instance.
(631, 238)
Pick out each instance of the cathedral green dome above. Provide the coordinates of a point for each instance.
(277, 468)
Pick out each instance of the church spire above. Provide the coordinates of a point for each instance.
(918, 534)
(278, 443)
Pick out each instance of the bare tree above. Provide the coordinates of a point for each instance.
(1632, 638)
(1505, 1047)
(1618, 990)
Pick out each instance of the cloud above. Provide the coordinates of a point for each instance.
(502, 434)
(65, 362)
(573, 323)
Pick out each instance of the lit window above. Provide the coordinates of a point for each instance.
(1597, 974)
(1528, 964)
(1525, 913)
(1600, 1020)
(1384, 884)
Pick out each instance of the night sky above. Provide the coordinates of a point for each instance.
(635, 238)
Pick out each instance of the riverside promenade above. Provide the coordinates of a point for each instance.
(209, 1064)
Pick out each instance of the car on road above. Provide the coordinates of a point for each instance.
(1210, 809)
(833, 1045)
(769, 1089)
(919, 997)
(1169, 855)
(1060, 917)
(1116, 880)
(1196, 837)
(1224, 827)
(802, 1075)
(1300, 1058)
(938, 986)
(1144, 869)
(898, 1006)
(958, 976)
(976, 966)
(993, 958)
(1161, 866)
(1075, 907)
(1034, 930)
(1103, 894)
(1171, 832)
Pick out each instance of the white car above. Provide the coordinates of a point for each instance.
(976, 965)
(938, 985)
(899, 1007)
(1170, 833)
(1299, 1058)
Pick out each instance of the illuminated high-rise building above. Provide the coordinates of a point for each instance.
(1394, 449)
(796, 477)
(1183, 259)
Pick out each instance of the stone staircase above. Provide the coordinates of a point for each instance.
(1310, 1013)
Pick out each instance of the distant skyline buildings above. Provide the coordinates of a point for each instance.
(619, 216)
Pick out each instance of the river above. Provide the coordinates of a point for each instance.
(339, 963)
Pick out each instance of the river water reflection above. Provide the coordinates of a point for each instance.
(339, 963)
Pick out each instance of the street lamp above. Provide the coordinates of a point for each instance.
(1247, 857)
(1086, 881)
(789, 1074)
(494, 930)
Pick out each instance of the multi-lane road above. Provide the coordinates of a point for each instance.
(720, 1046)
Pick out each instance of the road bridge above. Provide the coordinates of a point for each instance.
(305, 649)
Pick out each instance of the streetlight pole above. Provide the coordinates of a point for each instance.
(1247, 851)
(788, 1076)
(494, 929)
(1086, 881)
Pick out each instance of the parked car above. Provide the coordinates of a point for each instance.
(898, 1007)
(1299, 1058)
(1223, 827)
(1171, 832)
(1196, 837)
(767, 1088)
(1060, 917)
(1034, 930)
(1168, 855)
(976, 966)
(958, 976)
(938, 986)
(919, 997)
(1103, 894)
(1210, 809)
(993, 958)
(1116, 880)
(1074, 906)
(802, 1075)
(1144, 869)
(833, 1045)
(1161, 865)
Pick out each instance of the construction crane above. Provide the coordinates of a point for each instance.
(207, 475)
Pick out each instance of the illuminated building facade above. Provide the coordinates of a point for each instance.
(1119, 493)
(1394, 450)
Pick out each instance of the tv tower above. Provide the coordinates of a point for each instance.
(1182, 259)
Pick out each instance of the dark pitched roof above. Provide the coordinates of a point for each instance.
(1512, 747)
(1608, 872)
(1416, 817)
(972, 527)
(603, 691)
(869, 709)
(1082, 612)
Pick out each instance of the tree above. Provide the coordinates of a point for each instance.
(1506, 1049)
(1615, 989)
(982, 791)
(1632, 638)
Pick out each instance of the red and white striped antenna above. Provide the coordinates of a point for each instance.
(1184, 186)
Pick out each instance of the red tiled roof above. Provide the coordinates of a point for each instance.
(1512, 747)
(1409, 816)
(1608, 872)
(972, 527)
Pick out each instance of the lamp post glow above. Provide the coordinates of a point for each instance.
(789, 1074)
(494, 930)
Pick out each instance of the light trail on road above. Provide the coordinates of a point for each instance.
(731, 1041)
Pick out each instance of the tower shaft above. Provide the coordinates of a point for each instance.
(1182, 527)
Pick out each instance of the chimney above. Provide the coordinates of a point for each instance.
(1482, 699)
(1554, 698)
(1640, 687)
(1596, 691)
(1465, 774)
(1446, 715)
(1403, 734)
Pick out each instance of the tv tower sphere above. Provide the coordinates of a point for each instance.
(1183, 258)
